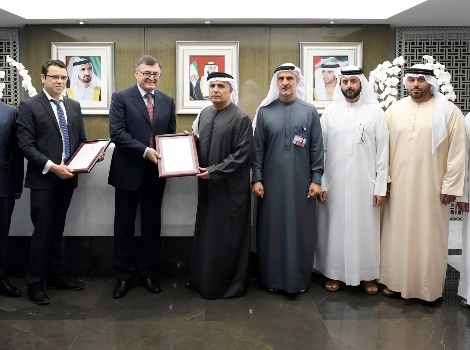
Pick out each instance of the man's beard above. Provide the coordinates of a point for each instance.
(86, 79)
(351, 95)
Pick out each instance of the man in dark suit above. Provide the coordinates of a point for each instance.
(136, 115)
(11, 186)
(50, 129)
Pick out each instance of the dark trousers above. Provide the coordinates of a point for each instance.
(150, 194)
(6, 209)
(48, 212)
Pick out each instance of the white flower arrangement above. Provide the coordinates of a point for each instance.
(26, 79)
(385, 78)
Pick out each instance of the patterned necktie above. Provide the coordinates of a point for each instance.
(150, 110)
(63, 128)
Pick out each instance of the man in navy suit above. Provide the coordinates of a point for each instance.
(50, 129)
(136, 115)
(11, 186)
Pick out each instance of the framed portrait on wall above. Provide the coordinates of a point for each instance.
(320, 61)
(90, 68)
(194, 61)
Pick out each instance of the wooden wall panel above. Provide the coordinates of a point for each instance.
(262, 48)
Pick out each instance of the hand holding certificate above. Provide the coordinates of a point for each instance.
(178, 155)
(86, 156)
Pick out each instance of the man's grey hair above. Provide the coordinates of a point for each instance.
(147, 60)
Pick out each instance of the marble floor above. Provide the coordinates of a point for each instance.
(179, 318)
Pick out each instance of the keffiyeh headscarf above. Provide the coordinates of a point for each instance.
(329, 64)
(73, 68)
(367, 93)
(273, 93)
(442, 110)
(219, 76)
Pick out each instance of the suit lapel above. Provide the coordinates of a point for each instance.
(69, 110)
(138, 101)
(157, 104)
(47, 106)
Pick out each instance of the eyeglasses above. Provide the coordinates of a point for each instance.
(148, 74)
(57, 77)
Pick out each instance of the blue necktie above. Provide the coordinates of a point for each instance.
(63, 128)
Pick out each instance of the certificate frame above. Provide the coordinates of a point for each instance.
(223, 53)
(163, 171)
(101, 55)
(92, 160)
(313, 53)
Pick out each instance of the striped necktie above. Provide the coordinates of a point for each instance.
(150, 110)
(63, 128)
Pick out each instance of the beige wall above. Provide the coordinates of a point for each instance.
(262, 48)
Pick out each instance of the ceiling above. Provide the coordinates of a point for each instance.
(428, 13)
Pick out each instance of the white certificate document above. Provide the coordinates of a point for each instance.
(176, 154)
(86, 155)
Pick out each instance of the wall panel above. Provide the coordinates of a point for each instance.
(262, 48)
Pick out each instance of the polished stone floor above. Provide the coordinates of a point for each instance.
(179, 318)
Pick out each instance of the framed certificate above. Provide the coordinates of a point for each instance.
(178, 155)
(87, 154)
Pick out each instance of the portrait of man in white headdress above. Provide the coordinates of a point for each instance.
(84, 83)
(199, 89)
(325, 77)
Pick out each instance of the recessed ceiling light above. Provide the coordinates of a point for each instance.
(81, 22)
(333, 21)
(207, 21)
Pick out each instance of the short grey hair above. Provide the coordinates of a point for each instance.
(147, 60)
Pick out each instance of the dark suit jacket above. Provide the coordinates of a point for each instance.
(130, 130)
(40, 140)
(11, 161)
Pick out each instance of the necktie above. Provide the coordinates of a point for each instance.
(150, 110)
(63, 128)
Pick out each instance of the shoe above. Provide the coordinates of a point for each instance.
(152, 285)
(8, 290)
(62, 282)
(121, 289)
(370, 285)
(332, 285)
(463, 303)
(37, 295)
(393, 294)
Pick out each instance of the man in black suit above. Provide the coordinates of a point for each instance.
(136, 115)
(11, 186)
(50, 129)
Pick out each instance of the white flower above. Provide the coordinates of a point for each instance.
(451, 96)
(399, 61)
(2, 86)
(387, 64)
(23, 72)
(1, 93)
(446, 88)
(393, 91)
(428, 59)
(26, 79)
(381, 86)
(394, 70)
(384, 104)
(391, 99)
(394, 81)
(382, 76)
(438, 73)
(2, 74)
(444, 79)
